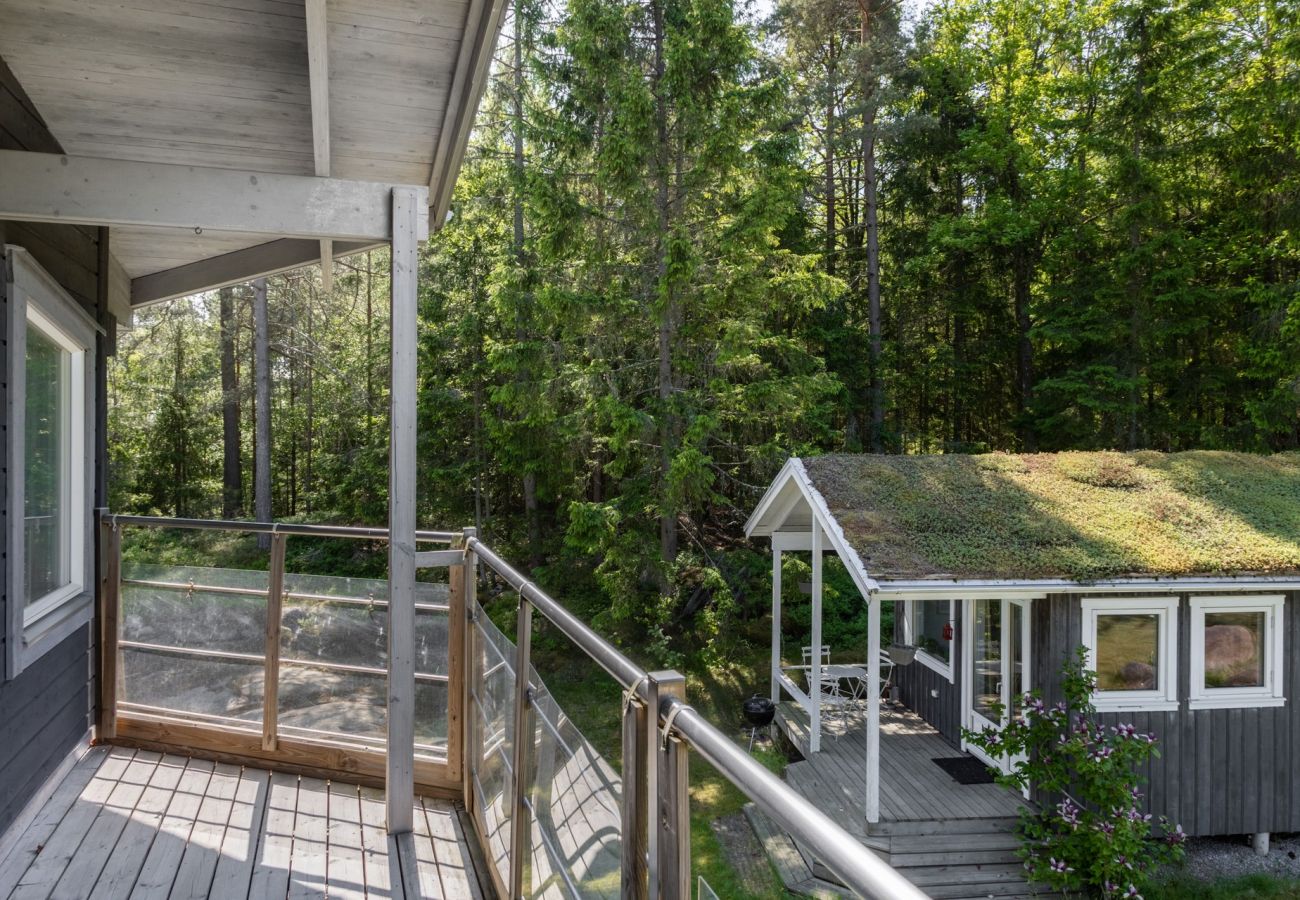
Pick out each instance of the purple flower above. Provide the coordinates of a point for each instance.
(1176, 836)
(1059, 866)
(1069, 812)
(1124, 730)
(1132, 893)
(1106, 827)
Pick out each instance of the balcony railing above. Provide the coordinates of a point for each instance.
(290, 668)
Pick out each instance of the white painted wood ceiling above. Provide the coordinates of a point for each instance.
(224, 83)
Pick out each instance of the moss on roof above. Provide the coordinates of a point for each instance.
(1083, 516)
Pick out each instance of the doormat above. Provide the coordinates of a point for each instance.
(965, 769)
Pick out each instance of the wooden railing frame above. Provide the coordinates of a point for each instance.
(261, 743)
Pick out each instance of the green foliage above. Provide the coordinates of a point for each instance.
(1096, 839)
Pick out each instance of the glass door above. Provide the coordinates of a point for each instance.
(997, 669)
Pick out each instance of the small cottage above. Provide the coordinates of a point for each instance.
(1179, 573)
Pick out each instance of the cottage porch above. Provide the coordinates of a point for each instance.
(912, 786)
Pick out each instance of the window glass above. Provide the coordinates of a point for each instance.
(46, 468)
(1128, 652)
(1234, 649)
(931, 618)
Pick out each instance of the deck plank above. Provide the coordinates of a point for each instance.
(28, 846)
(308, 869)
(120, 874)
(78, 881)
(426, 859)
(275, 846)
(346, 876)
(198, 864)
(39, 880)
(239, 844)
(159, 871)
(454, 863)
(383, 877)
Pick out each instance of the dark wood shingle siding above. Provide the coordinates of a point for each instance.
(48, 708)
(1220, 771)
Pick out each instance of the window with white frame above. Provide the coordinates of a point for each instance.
(929, 627)
(1132, 646)
(1236, 648)
(51, 371)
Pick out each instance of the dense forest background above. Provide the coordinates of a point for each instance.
(687, 243)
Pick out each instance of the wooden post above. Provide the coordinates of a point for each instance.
(519, 824)
(673, 805)
(873, 709)
(457, 614)
(271, 680)
(110, 598)
(815, 667)
(400, 781)
(637, 733)
(776, 624)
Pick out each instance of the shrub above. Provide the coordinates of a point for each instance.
(1093, 838)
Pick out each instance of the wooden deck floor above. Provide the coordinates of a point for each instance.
(135, 824)
(912, 786)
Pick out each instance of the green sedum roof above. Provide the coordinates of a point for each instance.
(1082, 516)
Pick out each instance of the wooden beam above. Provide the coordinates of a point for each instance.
(408, 211)
(236, 267)
(468, 82)
(46, 187)
(318, 76)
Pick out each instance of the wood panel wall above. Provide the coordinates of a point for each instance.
(917, 683)
(1221, 771)
(47, 709)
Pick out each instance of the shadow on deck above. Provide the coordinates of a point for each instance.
(134, 823)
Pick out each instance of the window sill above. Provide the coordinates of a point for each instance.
(1131, 706)
(935, 664)
(1260, 702)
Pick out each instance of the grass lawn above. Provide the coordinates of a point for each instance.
(1248, 887)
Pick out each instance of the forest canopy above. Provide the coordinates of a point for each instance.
(686, 245)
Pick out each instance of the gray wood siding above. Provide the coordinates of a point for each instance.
(49, 707)
(916, 682)
(1220, 771)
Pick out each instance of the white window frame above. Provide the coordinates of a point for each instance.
(1272, 692)
(929, 660)
(35, 297)
(1165, 697)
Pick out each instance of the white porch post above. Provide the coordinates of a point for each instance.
(400, 783)
(873, 709)
(815, 671)
(776, 623)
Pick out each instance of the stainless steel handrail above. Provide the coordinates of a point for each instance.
(290, 528)
(861, 870)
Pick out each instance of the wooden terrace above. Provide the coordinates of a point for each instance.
(141, 824)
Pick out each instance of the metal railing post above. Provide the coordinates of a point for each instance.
(110, 592)
(636, 810)
(274, 611)
(672, 805)
(469, 660)
(519, 826)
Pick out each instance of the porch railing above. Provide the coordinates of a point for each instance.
(554, 819)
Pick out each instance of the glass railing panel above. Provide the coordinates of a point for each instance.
(576, 808)
(193, 640)
(492, 701)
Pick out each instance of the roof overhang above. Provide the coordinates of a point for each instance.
(379, 92)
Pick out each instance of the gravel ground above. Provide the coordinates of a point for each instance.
(1211, 859)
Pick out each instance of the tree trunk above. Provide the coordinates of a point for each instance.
(262, 435)
(523, 330)
(666, 303)
(232, 467)
(871, 224)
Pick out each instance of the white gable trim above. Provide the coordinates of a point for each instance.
(794, 471)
